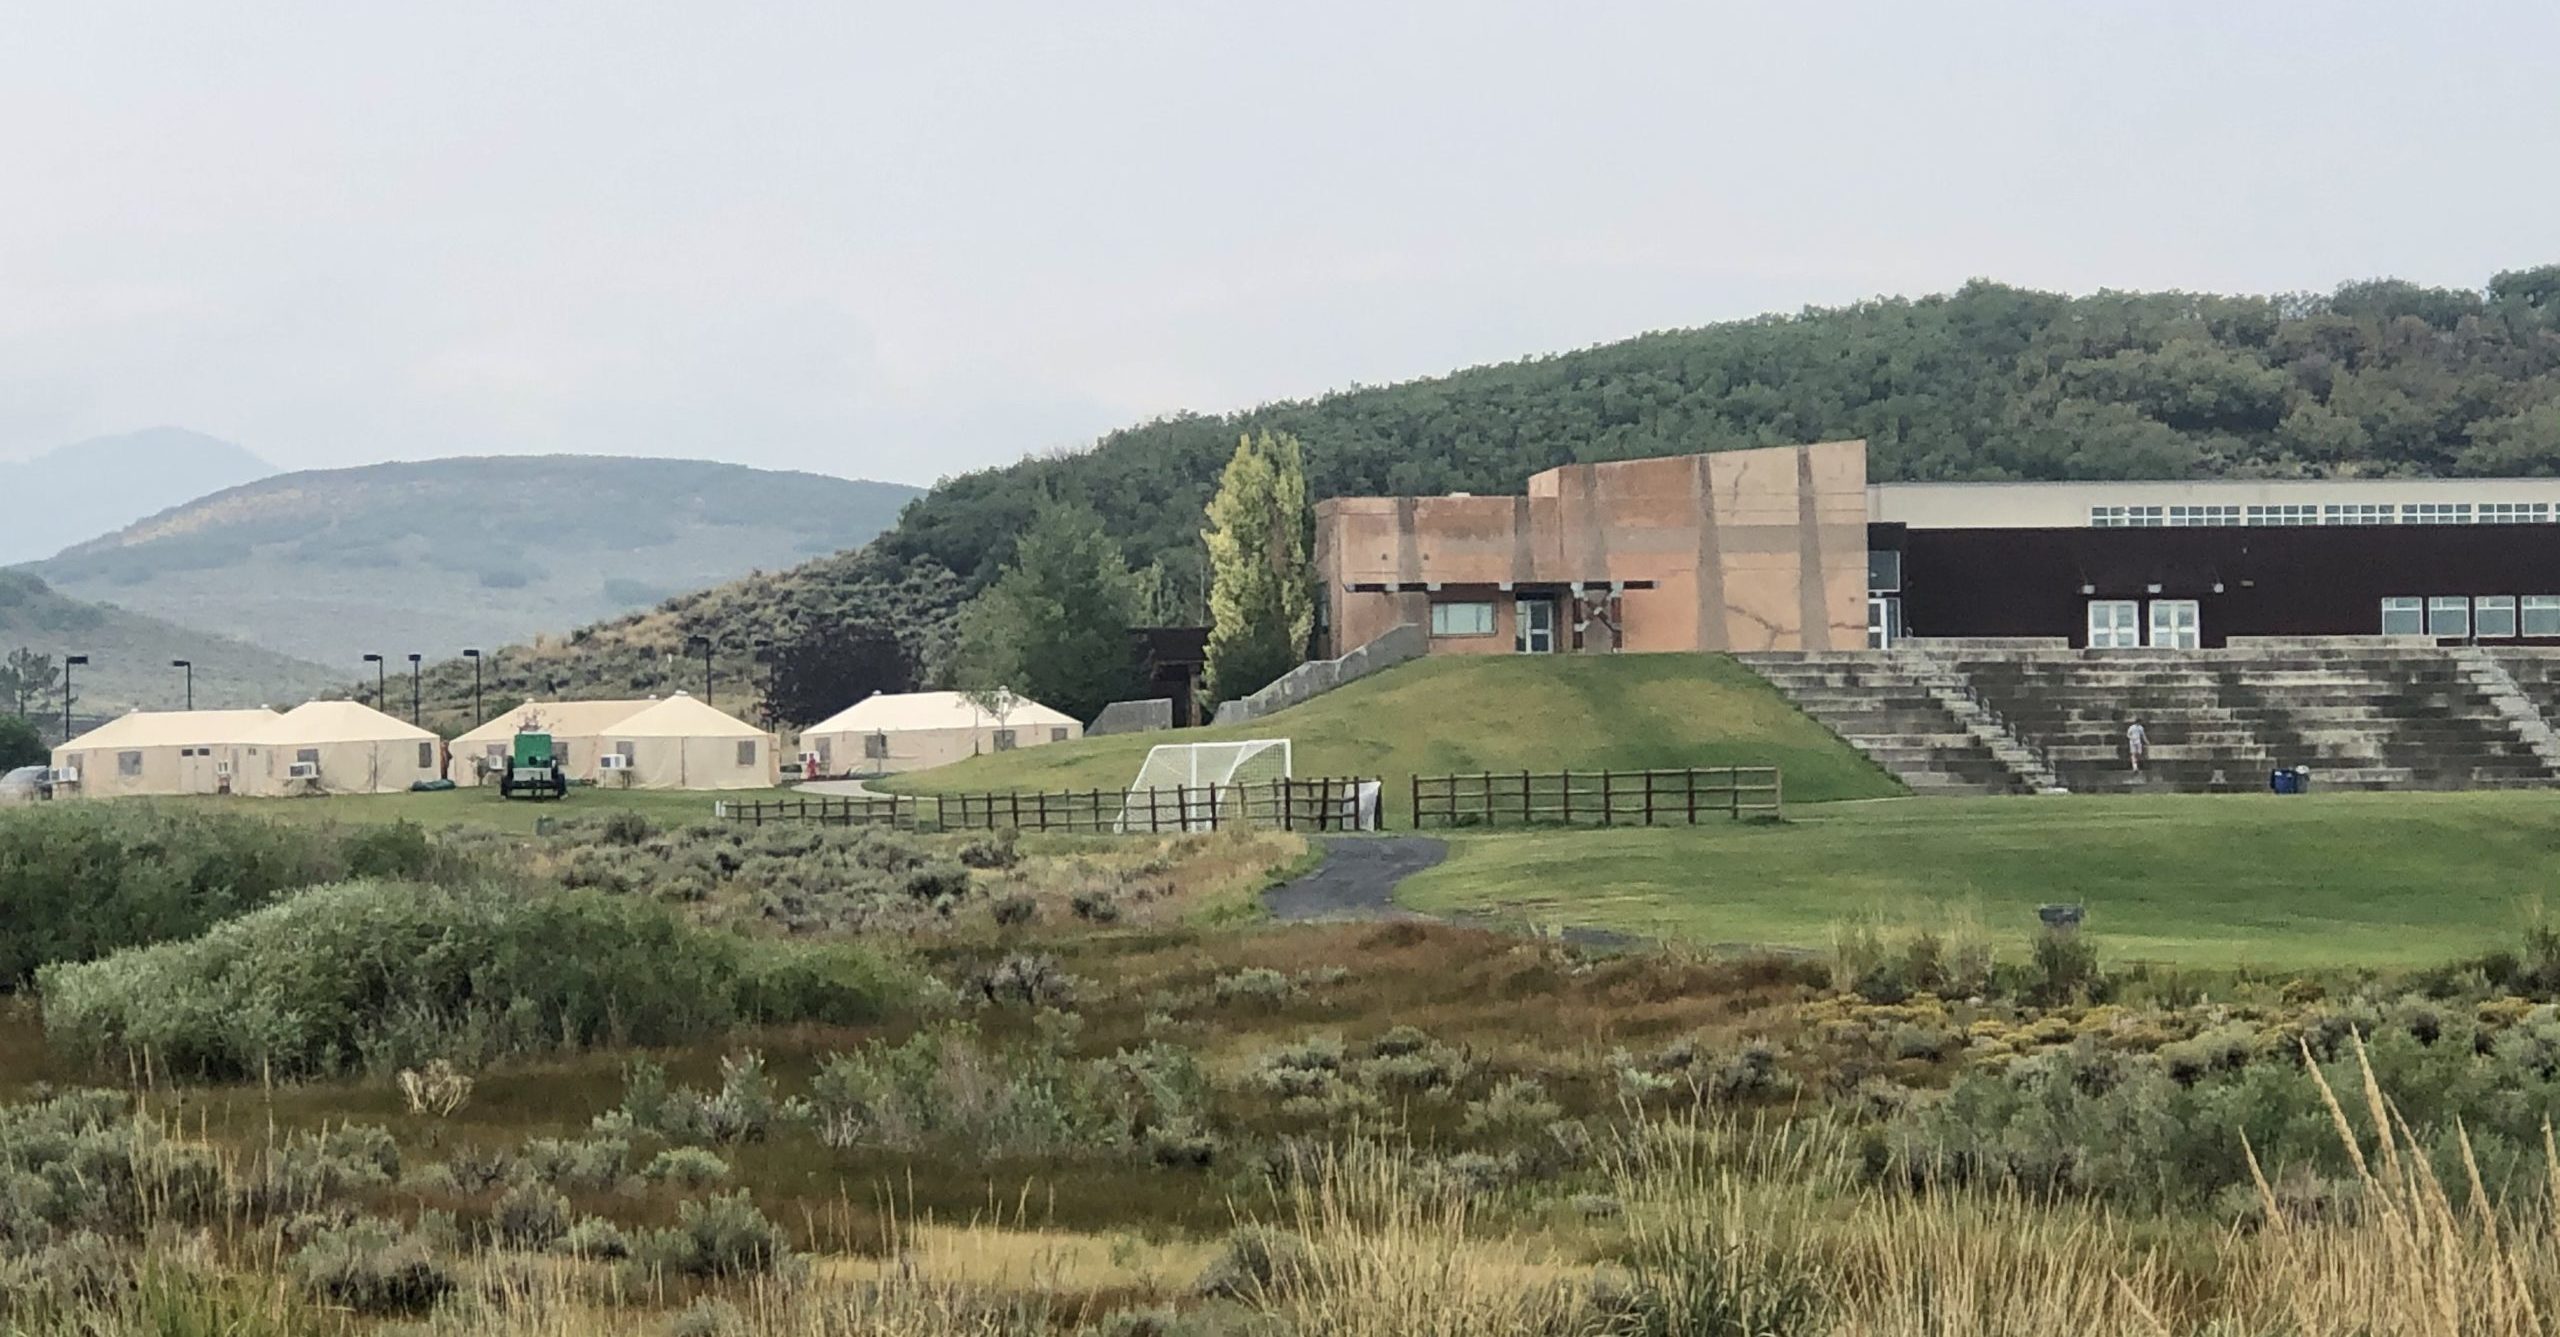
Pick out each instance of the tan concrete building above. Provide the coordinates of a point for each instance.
(908, 731)
(1738, 550)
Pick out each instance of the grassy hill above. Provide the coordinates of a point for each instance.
(129, 656)
(435, 556)
(90, 487)
(2211, 880)
(1497, 713)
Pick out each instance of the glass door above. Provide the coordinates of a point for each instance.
(1884, 621)
(1536, 626)
(2173, 624)
(2114, 624)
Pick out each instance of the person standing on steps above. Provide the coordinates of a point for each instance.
(2136, 742)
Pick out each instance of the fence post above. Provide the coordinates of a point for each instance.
(1733, 777)
(1416, 813)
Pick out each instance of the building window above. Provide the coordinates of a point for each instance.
(2114, 624)
(1884, 571)
(2360, 513)
(2436, 513)
(1533, 624)
(2541, 615)
(1058, 733)
(2515, 512)
(2448, 615)
(128, 763)
(2282, 515)
(1462, 619)
(426, 756)
(309, 756)
(2125, 517)
(1004, 740)
(875, 747)
(2193, 516)
(746, 752)
(2494, 615)
(2404, 617)
(2174, 624)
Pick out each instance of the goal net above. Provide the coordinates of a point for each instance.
(1204, 786)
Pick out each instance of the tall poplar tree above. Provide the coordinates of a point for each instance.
(1262, 608)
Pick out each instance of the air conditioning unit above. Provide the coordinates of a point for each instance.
(613, 761)
(63, 775)
(303, 770)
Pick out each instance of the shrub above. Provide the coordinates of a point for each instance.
(686, 1167)
(1095, 905)
(371, 1267)
(1255, 1265)
(839, 983)
(2064, 969)
(530, 1216)
(1515, 1109)
(744, 1109)
(1026, 979)
(1256, 985)
(589, 1165)
(1015, 909)
(378, 974)
(594, 1237)
(722, 1236)
(1001, 848)
(625, 827)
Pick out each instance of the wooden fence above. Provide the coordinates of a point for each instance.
(1331, 804)
(1599, 798)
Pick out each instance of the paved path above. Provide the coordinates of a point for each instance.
(1357, 879)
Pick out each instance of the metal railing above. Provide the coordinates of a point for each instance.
(1597, 798)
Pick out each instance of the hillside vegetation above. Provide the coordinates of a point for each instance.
(129, 656)
(434, 556)
(1989, 382)
(79, 491)
(1496, 713)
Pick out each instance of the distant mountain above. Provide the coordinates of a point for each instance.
(433, 556)
(88, 488)
(129, 656)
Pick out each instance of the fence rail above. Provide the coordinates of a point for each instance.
(1345, 803)
(1597, 798)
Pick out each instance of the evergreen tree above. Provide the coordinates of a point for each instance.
(1261, 576)
(1054, 627)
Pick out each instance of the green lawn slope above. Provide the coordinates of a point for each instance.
(1507, 713)
(2195, 879)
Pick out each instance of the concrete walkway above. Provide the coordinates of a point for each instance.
(1357, 880)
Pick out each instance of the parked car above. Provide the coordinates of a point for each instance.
(26, 784)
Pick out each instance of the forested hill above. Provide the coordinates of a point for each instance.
(1989, 382)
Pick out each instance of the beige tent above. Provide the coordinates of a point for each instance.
(164, 752)
(913, 730)
(681, 743)
(339, 747)
(675, 743)
(576, 729)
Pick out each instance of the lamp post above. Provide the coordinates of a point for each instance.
(415, 659)
(190, 666)
(67, 662)
(705, 643)
(381, 682)
(477, 718)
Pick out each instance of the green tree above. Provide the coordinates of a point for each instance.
(28, 678)
(1262, 608)
(1054, 627)
(19, 745)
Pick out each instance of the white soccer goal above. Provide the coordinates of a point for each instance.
(1216, 776)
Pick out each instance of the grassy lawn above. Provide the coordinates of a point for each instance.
(2208, 880)
(1506, 713)
(478, 807)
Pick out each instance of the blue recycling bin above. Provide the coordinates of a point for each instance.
(2281, 780)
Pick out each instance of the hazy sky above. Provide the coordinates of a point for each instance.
(901, 241)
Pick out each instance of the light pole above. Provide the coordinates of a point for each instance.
(190, 666)
(414, 677)
(67, 662)
(381, 682)
(477, 718)
(705, 643)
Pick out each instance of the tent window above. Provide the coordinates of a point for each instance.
(1004, 740)
(128, 763)
(426, 756)
(309, 756)
(875, 747)
(1058, 734)
(746, 752)
(630, 752)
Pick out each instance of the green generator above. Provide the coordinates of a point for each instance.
(533, 770)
